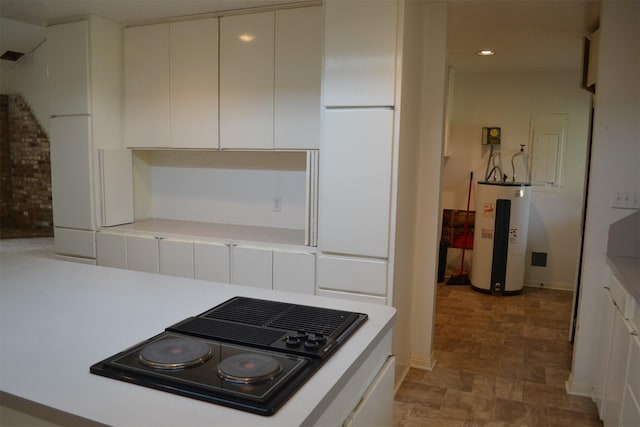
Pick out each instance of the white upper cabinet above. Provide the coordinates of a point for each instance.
(247, 81)
(171, 85)
(298, 69)
(194, 83)
(355, 191)
(68, 68)
(147, 111)
(360, 53)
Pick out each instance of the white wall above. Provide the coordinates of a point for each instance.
(429, 184)
(509, 101)
(615, 162)
(223, 187)
(28, 77)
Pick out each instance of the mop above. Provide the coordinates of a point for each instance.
(464, 241)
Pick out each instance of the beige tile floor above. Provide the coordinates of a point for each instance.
(501, 361)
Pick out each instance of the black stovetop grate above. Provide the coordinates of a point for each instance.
(291, 317)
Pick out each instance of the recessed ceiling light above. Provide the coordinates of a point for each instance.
(486, 53)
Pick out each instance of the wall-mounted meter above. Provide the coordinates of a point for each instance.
(491, 136)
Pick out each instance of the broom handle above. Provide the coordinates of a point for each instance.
(466, 222)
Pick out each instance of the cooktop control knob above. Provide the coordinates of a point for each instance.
(311, 344)
(292, 341)
(317, 337)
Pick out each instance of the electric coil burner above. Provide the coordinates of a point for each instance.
(245, 353)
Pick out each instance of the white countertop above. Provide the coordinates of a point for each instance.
(57, 318)
(211, 230)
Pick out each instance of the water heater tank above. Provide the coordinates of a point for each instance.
(500, 237)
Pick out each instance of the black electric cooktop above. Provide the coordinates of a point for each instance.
(246, 353)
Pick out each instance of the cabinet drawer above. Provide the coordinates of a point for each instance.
(633, 374)
(619, 295)
(352, 275)
(75, 242)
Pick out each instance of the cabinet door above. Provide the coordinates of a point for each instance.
(294, 272)
(246, 80)
(615, 384)
(68, 68)
(608, 309)
(631, 399)
(252, 267)
(194, 83)
(111, 250)
(176, 258)
(142, 253)
(211, 262)
(376, 406)
(298, 68)
(146, 71)
(355, 182)
(72, 172)
(359, 53)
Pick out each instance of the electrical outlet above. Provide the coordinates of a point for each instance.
(625, 198)
(277, 204)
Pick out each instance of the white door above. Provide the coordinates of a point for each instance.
(359, 53)
(111, 250)
(252, 267)
(68, 68)
(294, 272)
(194, 83)
(246, 80)
(176, 258)
(142, 253)
(211, 261)
(146, 84)
(355, 182)
(298, 68)
(71, 172)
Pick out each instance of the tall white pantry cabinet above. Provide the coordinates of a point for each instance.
(356, 152)
(84, 63)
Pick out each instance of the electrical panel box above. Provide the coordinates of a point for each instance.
(491, 136)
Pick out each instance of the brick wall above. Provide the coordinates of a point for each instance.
(26, 174)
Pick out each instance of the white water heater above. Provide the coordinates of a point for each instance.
(500, 236)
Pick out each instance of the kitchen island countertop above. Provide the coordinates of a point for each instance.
(57, 318)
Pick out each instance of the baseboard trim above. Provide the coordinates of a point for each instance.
(582, 390)
(560, 286)
(423, 362)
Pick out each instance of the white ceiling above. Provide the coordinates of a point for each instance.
(526, 34)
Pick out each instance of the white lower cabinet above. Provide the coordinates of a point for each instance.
(252, 266)
(631, 400)
(176, 258)
(618, 390)
(373, 409)
(262, 267)
(294, 272)
(111, 250)
(614, 387)
(74, 243)
(351, 274)
(142, 253)
(211, 261)
(367, 398)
